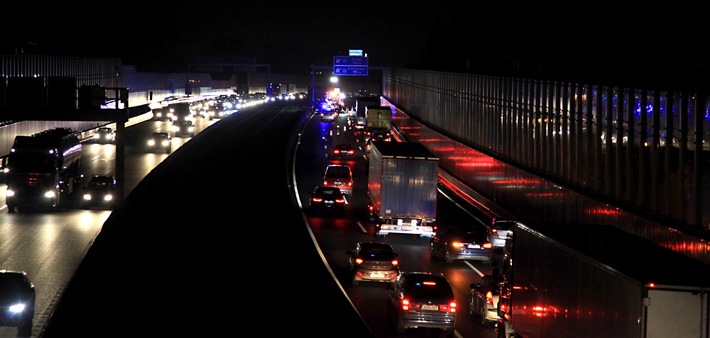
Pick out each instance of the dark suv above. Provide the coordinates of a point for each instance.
(339, 176)
(454, 243)
(421, 300)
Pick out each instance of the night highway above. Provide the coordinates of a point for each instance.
(195, 220)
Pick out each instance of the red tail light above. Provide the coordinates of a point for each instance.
(395, 262)
(489, 298)
(317, 199)
(487, 245)
(358, 261)
(340, 200)
(494, 231)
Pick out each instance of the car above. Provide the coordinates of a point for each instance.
(344, 150)
(105, 135)
(161, 114)
(327, 199)
(160, 142)
(17, 301)
(328, 116)
(100, 191)
(373, 262)
(339, 176)
(379, 135)
(183, 128)
(500, 231)
(452, 243)
(483, 299)
(421, 300)
(360, 123)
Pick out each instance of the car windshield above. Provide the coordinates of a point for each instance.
(338, 172)
(329, 192)
(428, 288)
(11, 282)
(504, 225)
(100, 182)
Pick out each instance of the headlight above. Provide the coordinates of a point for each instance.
(17, 308)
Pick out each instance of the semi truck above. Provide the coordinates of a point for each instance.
(550, 290)
(43, 169)
(402, 188)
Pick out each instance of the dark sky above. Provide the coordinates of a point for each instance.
(591, 40)
(289, 36)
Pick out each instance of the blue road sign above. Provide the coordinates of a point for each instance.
(350, 61)
(350, 70)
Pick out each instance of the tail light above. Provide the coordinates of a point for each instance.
(489, 298)
(340, 200)
(457, 245)
(405, 304)
(487, 245)
(395, 262)
(317, 199)
(494, 231)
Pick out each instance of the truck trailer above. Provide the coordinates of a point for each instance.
(402, 188)
(378, 118)
(42, 169)
(553, 291)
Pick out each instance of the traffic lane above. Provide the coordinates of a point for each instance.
(188, 249)
(336, 235)
(59, 240)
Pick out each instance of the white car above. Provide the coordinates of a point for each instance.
(500, 231)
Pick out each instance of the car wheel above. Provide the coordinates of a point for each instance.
(399, 326)
(447, 257)
(449, 333)
(25, 330)
(484, 322)
(11, 208)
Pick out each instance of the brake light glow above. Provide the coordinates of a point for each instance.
(489, 298)
(405, 304)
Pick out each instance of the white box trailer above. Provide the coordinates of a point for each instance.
(553, 291)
